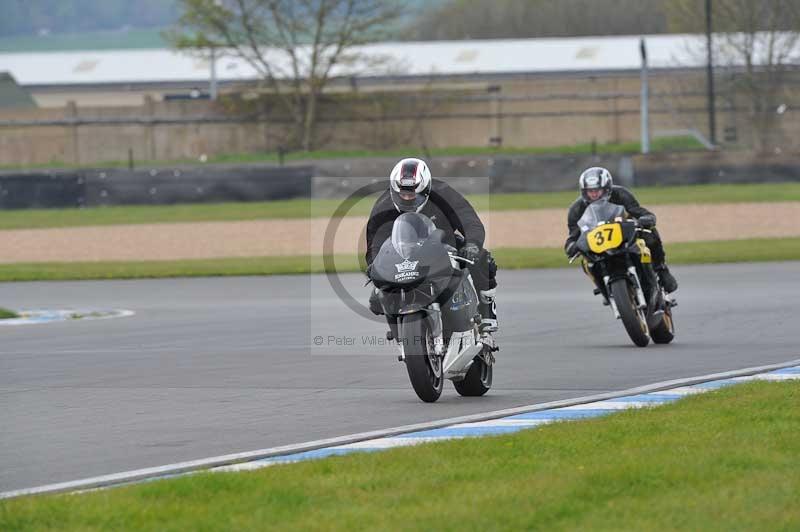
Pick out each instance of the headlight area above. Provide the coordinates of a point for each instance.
(406, 300)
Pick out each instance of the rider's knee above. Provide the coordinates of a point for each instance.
(490, 264)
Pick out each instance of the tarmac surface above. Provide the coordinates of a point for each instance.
(221, 365)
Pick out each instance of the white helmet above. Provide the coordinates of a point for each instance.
(595, 178)
(410, 185)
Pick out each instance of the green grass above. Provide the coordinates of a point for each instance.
(756, 250)
(673, 195)
(62, 271)
(217, 212)
(322, 208)
(715, 252)
(657, 145)
(725, 460)
(6, 314)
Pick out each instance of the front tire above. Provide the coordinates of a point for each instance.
(478, 380)
(424, 368)
(633, 318)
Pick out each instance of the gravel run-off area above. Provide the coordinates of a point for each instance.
(531, 228)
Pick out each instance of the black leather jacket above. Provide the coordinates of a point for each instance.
(620, 196)
(448, 210)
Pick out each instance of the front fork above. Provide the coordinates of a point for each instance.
(433, 313)
(633, 276)
(637, 283)
(435, 321)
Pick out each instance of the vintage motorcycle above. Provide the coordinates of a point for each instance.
(431, 307)
(618, 261)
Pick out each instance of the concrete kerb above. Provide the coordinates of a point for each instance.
(128, 477)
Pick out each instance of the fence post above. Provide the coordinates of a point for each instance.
(645, 111)
(496, 110)
(71, 112)
(149, 133)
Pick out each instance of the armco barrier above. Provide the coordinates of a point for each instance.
(161, 186)
(41, 189)
(715, 167)
(336, 178)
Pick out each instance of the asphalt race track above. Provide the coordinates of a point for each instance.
(215, 366)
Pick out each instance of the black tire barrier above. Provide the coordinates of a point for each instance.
(162, 186)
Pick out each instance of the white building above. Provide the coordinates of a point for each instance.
(123, 77)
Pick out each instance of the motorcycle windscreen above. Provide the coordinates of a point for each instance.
(409, 232)
(598, 212)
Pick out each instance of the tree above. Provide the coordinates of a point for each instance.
(755, 43)
(293, 45)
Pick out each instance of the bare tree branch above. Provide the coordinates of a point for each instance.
(308, 36)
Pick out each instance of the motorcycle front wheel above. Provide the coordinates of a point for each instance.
(424, 367)
(633, 318)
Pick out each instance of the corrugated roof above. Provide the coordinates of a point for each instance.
(393, 59)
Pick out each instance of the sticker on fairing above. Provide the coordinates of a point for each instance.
(604, 237)
(406, 270)
(644, 251)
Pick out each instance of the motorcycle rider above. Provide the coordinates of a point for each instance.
(596, 183)
(411, 189)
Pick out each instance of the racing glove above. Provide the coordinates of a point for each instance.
(571, 249)
(470, 251)
(648, 221)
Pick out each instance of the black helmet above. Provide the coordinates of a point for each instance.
(410, 185)
(595, 178)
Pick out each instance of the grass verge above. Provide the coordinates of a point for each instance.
(6, 314)
(725, 460)
(713, 252)
(322, 208)
(680, 143)
(756, 250)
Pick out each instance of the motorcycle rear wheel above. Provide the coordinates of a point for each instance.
(424, 367)
(478, 380)
(632, 318)
(664, 333)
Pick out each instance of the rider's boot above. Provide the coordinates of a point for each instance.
(488, 311)
(668, 281)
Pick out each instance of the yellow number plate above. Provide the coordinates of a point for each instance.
(604, 237)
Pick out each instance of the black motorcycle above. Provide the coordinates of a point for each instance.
(431, 306)
(618, 261)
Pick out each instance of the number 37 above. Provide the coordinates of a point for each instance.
(600, 239)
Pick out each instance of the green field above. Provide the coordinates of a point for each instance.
(756, 250)
(6, 314)
(657, 145)
(725, 460)
(321, 208)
